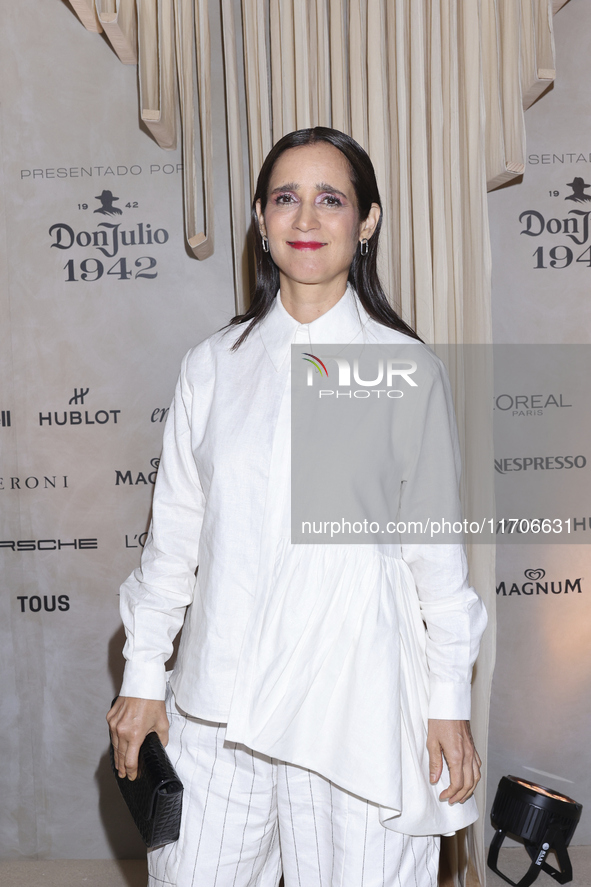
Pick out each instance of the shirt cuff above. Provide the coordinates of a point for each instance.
(146, 680)
(449, 701)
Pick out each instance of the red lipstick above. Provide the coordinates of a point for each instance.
(305, 244)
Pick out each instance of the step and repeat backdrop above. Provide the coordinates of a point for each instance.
(541, 239)
(99, 301)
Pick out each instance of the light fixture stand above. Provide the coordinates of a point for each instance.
(543, 820)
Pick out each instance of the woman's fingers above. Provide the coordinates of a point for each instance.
(455, 762)
(117, 741)
(130, 720)
(453, 740)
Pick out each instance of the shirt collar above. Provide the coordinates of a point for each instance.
(341, 324)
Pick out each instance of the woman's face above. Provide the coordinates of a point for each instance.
(311, 218)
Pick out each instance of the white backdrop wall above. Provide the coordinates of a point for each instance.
(87, 367)
(541, 709)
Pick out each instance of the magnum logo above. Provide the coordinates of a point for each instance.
(129, 478)
(537, 584)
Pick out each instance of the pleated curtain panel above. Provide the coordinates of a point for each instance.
(435, 91)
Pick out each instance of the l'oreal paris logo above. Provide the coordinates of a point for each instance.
(389, 370)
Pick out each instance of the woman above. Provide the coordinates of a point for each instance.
(312, 717)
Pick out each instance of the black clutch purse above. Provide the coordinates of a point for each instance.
(155, 797)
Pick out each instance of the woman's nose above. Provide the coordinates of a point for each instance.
(307, 217)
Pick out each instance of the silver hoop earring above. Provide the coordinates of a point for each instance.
(265, 243)
(363, 247)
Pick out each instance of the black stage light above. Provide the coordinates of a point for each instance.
(539, 817)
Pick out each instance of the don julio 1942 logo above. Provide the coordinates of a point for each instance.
(573, 228)
(108, 239)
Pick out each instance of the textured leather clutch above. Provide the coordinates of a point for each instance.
(155, 797)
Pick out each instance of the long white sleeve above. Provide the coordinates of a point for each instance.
(154, 598)
(453, 613)
(455, 618)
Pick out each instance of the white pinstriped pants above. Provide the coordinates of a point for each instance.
(248, 818)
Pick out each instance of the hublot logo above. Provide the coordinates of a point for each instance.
(79, 417)
(129, 478)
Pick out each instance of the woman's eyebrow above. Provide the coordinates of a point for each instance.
(290, 186)
(323, 186)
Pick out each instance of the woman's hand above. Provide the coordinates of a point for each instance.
(453, 741)
(130, 720)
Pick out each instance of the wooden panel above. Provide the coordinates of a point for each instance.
(157, 72)
(86, 12)
(192, 44)
(119, 21)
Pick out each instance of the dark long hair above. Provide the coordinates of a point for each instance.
(363, 273)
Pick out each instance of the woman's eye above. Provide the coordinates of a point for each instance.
(332, 200)
(283, 199)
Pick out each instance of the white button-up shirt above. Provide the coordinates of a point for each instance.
(331, 657)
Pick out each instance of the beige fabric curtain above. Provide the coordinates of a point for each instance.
(435, 91)
(392, 74)
(396, 75)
